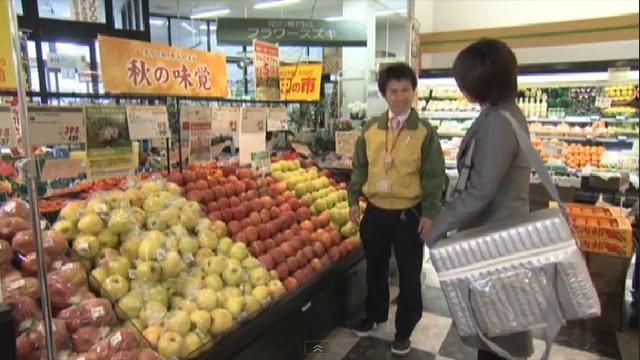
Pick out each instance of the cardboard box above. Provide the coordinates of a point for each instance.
(608, 273)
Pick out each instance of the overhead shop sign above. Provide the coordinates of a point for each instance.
(7, 72)
(292, 32)
(139, 67)
(300, 82)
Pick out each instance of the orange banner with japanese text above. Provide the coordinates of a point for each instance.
(7, 70)
(300, 82)
(138, 67)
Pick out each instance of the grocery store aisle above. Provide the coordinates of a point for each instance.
(435, 337)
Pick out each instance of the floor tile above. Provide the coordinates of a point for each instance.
(430, 332)
(628, 344)
(341, 341)
(371, 348)
(440, 357)
(429, 275)
(433, 301)
(452, 347)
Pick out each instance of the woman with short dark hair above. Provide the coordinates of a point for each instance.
(495, 186)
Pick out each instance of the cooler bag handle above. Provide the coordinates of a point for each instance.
(555, 322)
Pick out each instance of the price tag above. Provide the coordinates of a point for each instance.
(97, 312)
(161, 254)
(132, 274)
(147, 122)
(253, 120)
(61, 169)
(552, 148)
(53, 125)
(622, 138)
(7, 139)
(621, 117)
(301, 149)
(346, 142)
(115, 339)
(603, 102)
(278, 119)
(67, 266)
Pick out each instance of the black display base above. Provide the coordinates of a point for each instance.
(302, 318)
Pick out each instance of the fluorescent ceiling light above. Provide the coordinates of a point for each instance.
(586, 77)
(157, 22)
(204, 27)
(334, 18)
(270, 4)
(401, 12)
(186, 26)
(210, 14)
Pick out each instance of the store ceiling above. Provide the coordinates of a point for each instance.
(301, 9)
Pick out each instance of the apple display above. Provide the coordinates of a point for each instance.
(115, 286)
(108, 238)
(178, 321)
(207, 299)
(148, 271)
(170, 344)
(221, 321)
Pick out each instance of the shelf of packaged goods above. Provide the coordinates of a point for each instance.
(604, 140)
(334, 298)
(584, 120)
(449, 115)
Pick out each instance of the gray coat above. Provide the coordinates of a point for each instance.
(496, 189)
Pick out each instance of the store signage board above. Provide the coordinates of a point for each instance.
(7, 137)
(278, 119)
(137, 67)
(62, 61)
(7, 69)
(300, 82)
(253, 120)
(148, 122)
(266, 63)
(109, 147)
(346, 142)
(55, 125)
(292, 32)
(61, 169)
(261, 162)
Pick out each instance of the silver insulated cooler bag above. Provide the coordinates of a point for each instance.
(517, 275)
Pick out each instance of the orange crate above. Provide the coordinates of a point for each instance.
(604, 235)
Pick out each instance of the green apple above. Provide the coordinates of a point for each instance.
(148, 249)
(72, 211)
(207, 299)
(250, 263)
(235, 305)
(97, 206)
(90, 224)
(108, 239)
(166, 197)
(261, 293)
(349, 230)
(172, 265)
(189, 218)
(203, 254)
(220, 229)
(179, 231)
(153, 313)
(139, 216)
(201, 319)
(259, 276)
(300, 190)
(174, 189)
(188, 245)
(152, 335)
(213, 281)
(131, 304)
(308, 198)
(170, 216)
(232, 274)
(134, 324)
(129, 248)
(252, 305)
(171, 242)
(228, 292)
(207, 239)
(224, 246)
(276, 289)
(65, 227)
(150, 187)
(190, 345)
(214, 265)
(156, 222)
(115, 286)
(153, 204)
(192, 287)
(98, 276)
(148, 271)
(238, 251)
(86, 245)
(204, 224)
(116, 199)
(135, 197)
(119, 265)
(157, 293)
(221, 321)
(170, 345)
(192, 206)
(178, 321)
(187, 306)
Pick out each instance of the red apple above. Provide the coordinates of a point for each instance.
(252, 233)
(302, 258)
(309, 252)
(318, 248)
(317, 264)
(227, 215)
(275, 212)
(278, 255)
(213, 206)
(238, 213)
(303, 214)
(270, 244)
(307, 226)
(255, 218)
(188, 176)
(334, 253)
(213, 182)
(176, 178)
(234, 201)
(265, 215)
(292, 263)
(234, 227)
(283, 270)
(224, 202)
(246, 222)
(202, 185)
(263, 232)
(215, 216)
(290, 283)
(267, 261)
(297, 242)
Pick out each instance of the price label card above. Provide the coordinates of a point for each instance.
(603, 102)
(53, 125)
(301, 149)
(147, 122)
(225, 120)
(346, 142)
(61, 169)
(200, 145)
(278, 119)
(552, 148)
(261, 162)
(253, 120)
(7, 139)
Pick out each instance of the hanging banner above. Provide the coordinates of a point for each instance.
(253, 120)
(148, 122)
(109, 148)
(7, 70)
(300, 82)
(139, 67)
(346, 142)
(6, 123)
(225, 120)
(278, 119)
(55, 125)
(266, 64)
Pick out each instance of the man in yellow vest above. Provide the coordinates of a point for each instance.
(398, 166)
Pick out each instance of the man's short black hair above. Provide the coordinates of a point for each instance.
(396, 71)
(487, 71)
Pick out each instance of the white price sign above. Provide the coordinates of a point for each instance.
(6, 123)
(278, 119)
(147, 122)
(552, 148)
(225, 120)
(603, 102)
(53, 125)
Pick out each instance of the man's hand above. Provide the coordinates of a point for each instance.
(355, 214)
(424, 227)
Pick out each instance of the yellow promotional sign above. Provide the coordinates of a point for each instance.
(300, 81)
(137, 67)
(7, 71)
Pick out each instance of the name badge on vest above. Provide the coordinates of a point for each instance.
(383, 185)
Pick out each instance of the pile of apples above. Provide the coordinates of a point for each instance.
(172, 273)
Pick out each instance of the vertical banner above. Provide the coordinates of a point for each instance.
(266, 64)
(300, 82)
(109, 148)
(196, 128)
(278, 119)
(7, 70)
(252, 133)
(148, 122)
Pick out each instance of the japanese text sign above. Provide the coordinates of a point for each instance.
(300, 82)
(54, 125)
(7, 137)
(253, 120)
(292, 32)
(200, 141)
(266, 64)
(278, 119)
(147, 122)
(138, 67)
(346, 142)
(7, 71)
(225, 120)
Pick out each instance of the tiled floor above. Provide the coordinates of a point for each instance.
(436, 338)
